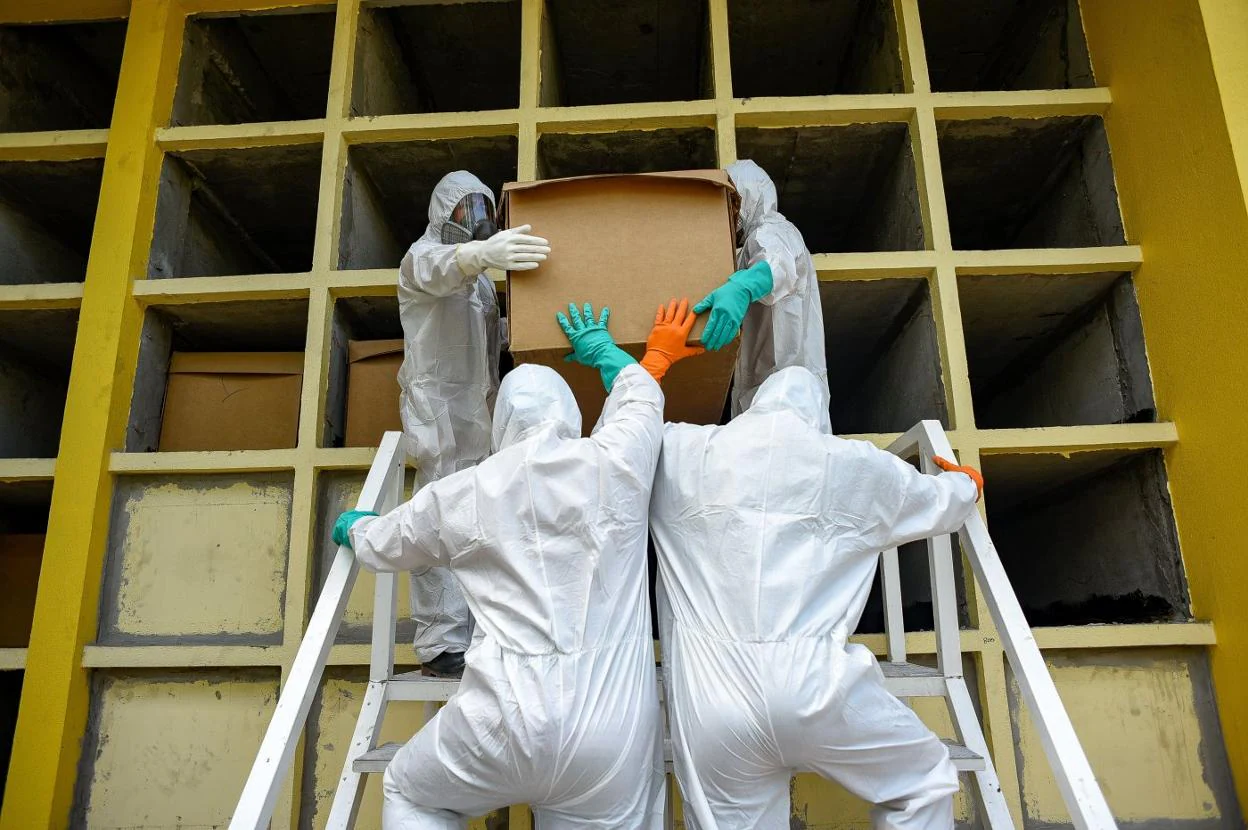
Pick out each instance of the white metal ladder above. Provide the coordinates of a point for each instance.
(383, 490)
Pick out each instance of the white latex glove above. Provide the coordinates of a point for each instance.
(509, 250)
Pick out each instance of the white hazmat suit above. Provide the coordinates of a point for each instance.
(785, 328)
(452, 341)
(768, 532)
(558, 705)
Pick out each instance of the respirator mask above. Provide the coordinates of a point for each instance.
(472, 218)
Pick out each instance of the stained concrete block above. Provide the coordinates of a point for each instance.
(437, 57)
(794, 47)
(1089, 537)
(604, 52)
(36, 349)
(59, 76)
(385, 200)
(254, 67)
(633, 151)
(846, 188)
(883, 359)
(1007, 44)
(47, 214)
(222, 212)
(1029, 183)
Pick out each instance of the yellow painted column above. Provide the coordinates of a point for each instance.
(53, 712)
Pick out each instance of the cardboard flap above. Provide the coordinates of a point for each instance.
(358, 350)
(718, 178)
(236, 363)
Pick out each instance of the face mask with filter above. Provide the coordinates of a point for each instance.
(472, 218)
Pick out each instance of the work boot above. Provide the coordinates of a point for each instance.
(447, 664)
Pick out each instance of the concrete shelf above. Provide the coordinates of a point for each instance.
(793, 47)
(883, 360)
(1087, 537)
(36, 348)
(59, 76)
(232, 326)
(604, 52)
(453, 57)
(47, 213)
(1055, 350)
(633, 151)
(847, 188)
(1029, 183)
(1005, 45)
(248, 211)
(385, 195)
(238, 69)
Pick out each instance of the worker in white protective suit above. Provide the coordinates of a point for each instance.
(768, 531)
(558, 705)
(452, 342)
(773, 300)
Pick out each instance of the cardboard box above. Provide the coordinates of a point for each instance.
(20, 557)
(372, 390)
(630, 242)
(232, 401)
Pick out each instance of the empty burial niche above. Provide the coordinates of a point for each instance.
(1008, 44)
(849, 188)
(359, 319)
(794, 47)
(235, 326)
(437, 57)
(1055, 350)
(239, 69)
(36, 349)
(59, 76)
(635, 151)
(916, 593)
(10, 696)
(222, 212)
(23, 523)
(883, 361)
(1029, 183)
(1088, 538)
(47, 213)
(385, 197)
(604, 52)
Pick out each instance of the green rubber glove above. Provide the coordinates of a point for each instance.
(591, 344)
(342, 527)
(729, 302)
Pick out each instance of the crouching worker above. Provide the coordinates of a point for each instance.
(768, 531)
(558, 704)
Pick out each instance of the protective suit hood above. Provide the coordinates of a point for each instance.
(531, 399)
(758, 194)
(453, 187)
(797, 391)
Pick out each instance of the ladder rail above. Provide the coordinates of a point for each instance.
(1080, 791)
(277, 749)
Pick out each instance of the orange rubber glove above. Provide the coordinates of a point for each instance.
(950, 467)
(668, 340)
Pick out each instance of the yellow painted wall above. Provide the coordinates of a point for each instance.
(1183, 200)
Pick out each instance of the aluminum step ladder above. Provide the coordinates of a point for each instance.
(383, 490)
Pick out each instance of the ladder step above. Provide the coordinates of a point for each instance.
(413, 685)
(375, 761)
(913, 680)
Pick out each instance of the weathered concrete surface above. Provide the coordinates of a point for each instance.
(450, 57)
(59, 77)
(611, 53)
(635, 151)
(847, 188)
(802, 48)
(883, 360)
(36, 348)
(1089, 538)
(1050, 350)
(1037, 183)
(197, 559)
(47, 213)
(1006, 44)
(386, 197)
(254, 67)
(223, 212)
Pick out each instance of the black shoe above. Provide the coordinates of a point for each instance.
(447, 664)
